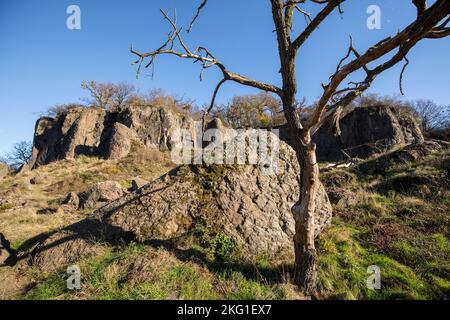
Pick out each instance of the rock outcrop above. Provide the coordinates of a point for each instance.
(364, 132)
(120, 142)
(92, 131)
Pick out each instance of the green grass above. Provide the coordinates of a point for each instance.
(6, 206)
(105, 278)
(343, 263)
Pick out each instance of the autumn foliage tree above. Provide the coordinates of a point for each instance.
(430, 22)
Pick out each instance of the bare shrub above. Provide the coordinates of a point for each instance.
(431, 115)
(58, 109)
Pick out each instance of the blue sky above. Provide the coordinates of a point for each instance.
(43, 63)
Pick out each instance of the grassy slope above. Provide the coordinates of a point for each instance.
(404, 232)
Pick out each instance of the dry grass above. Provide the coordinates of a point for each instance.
(27, 210)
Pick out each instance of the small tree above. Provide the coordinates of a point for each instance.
(101, 94)
(122, 92)
(254, 111)
(429, 23)
(19, 155)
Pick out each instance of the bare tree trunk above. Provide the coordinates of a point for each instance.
(305, 274)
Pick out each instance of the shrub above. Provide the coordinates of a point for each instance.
(224, 247)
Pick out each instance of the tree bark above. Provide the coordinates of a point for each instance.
(305, 273)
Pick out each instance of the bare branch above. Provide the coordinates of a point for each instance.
(401, 75)
(321, 16)
(201, 55)
(404, 41)
(199, 9)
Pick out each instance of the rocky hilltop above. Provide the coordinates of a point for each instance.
(89, 131)
(92, 131)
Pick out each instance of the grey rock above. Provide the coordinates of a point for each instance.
(253, 208)
(155, 126)
(79, 131)
(100, 195)
(364, 132)
(96, 132)
(240, 201)
(120, 142)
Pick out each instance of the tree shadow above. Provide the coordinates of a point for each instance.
(270, 275)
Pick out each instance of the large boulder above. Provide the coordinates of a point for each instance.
(120, 142)
(100, 195)
(364, 131)
(252, 207)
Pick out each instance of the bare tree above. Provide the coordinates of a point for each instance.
(101, 94)
(429, 23)
(431, 115)
(19, 155)
(121, 92)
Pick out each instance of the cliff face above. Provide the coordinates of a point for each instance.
(89, 131)
(364, 132)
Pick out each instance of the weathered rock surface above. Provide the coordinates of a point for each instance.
(91, 131)
(64, 247)
(78, 131)
(155, 126)
(119, 144)
(88, 131)
(100, 195)
(364, 132)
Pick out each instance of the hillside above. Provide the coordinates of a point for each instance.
(390, 211)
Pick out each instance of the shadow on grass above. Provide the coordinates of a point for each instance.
(270, 275)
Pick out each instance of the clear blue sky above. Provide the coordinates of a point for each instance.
(43, 63)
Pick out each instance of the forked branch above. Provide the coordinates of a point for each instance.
(199, 55)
